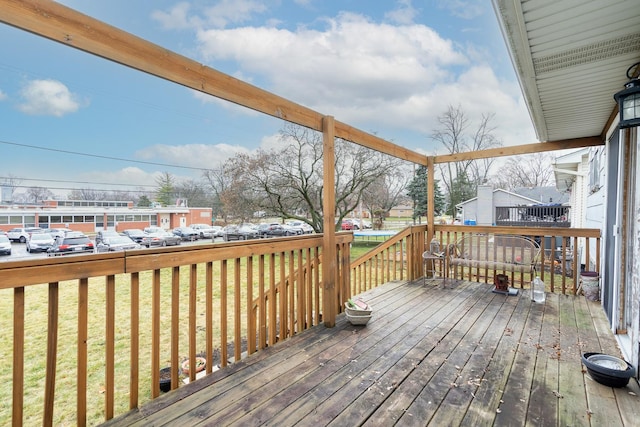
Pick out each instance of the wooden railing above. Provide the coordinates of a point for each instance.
(561, 253)
(398, 258)
(86, 336)
(98, 328)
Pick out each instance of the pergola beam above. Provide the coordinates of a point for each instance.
(538, 147)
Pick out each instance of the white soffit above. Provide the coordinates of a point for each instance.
(570, 56)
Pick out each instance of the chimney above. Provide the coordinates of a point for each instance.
(484, 207)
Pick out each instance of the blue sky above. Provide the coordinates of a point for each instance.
(387, 67)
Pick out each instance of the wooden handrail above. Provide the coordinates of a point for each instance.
(157, 281)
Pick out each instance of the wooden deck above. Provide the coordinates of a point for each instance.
(429, 356)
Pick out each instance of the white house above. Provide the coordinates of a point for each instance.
(570, 59)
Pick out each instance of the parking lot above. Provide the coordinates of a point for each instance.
(19, 250)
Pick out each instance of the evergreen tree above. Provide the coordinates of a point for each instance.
(417, 191)
(144, 202)
(461, 189)
(165, 193)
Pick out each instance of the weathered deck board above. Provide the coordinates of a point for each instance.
(429, 356)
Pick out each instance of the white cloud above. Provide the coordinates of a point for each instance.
(376, 76)
(177, 17)
(48, 98)
(129, 175)
(404, 14)
(3, 95)
(191, 155)
(220, 15)
(465, 9)
(353, 62)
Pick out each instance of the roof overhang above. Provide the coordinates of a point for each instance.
(570, 58)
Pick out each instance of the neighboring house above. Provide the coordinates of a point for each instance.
(482, 209)
(571, 174)
(572, 177)
(401, 211)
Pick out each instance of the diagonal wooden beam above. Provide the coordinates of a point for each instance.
(537, 147)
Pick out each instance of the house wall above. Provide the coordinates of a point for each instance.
(199, 216)
(595, 201)
(493, 198)
(634, 274)
(578, 202)
(485, 211)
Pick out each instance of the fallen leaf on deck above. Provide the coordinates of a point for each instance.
(557, 394)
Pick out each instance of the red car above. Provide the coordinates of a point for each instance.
(347, 224)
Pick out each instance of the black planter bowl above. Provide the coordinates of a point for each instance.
(608, 370)
(165, 379)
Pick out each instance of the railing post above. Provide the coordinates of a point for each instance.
(430, 198)
(329, 266)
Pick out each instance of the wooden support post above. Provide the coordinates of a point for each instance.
(329, 262)
(430, 198)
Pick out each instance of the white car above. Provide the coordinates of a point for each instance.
(301, 227)
(5, 245)
(21, 234)
(205, 230)
(40, 242)
(57, 232)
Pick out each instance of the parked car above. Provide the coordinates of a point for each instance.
(116, 243)
(161, 238)
(153, 229)
(277, 230)
(360, 224)
(5, 245)
(302, 226)
(134, 234)
(21, 234)
(73, 243)
(216, 231)
(187, 233)
(103, 234)
(240, 232)
(205, 231)
(57, 232)
(40, 242)
(347, 224)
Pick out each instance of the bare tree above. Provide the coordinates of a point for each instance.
(530, 170)
(385, 193)
(87, 194)
(460, 179)
(11, 183)
(38, 194)
(218, 182)
(288, 181)
(194, 192)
